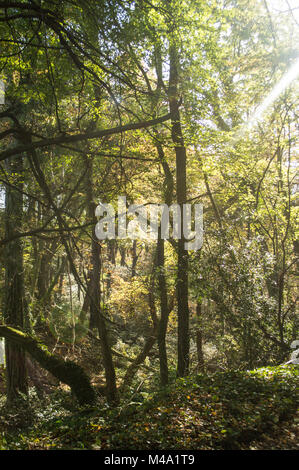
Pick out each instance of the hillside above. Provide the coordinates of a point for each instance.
(229, 410)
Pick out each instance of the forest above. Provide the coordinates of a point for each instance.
(148, 225)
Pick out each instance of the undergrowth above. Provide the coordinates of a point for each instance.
(223, 410)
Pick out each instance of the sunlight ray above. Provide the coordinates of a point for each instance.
(279, 88)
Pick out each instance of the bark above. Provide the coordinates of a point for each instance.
(112, 251)
(168, 187)
(96, 317)
(65, 371)
(162, 328)
(14, 284)
(200, 357)
(122, 251)
(43, 275)
(86, 302)
(181, 191)
(111, 259)
(134, 258)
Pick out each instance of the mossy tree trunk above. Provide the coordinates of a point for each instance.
(65, 371)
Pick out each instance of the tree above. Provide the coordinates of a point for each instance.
(14, 303)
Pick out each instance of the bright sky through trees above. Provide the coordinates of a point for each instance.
(276, 91)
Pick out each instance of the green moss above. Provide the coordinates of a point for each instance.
(65, 371)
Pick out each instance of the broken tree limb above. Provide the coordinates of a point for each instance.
(65, 371)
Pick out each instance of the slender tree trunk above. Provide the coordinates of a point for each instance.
(200, 357)
(112, 251)
(168, 197)
(122, 251)
(181, 191)
(86, 302)
(14, 284)
(96, 318)
(43, 275)
(134, 258)
(162, 328)
(111, 260)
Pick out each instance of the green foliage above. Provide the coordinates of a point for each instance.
(73, 69)
(220, 411)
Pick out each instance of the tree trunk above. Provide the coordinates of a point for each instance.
(134, 258)
(96, 318)
(14, 283)
(162, 328)
(122, 251)
(200, 357)
(181, 191)
(66, 371)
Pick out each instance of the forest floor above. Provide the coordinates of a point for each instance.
(223, 410)
(283, 436)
